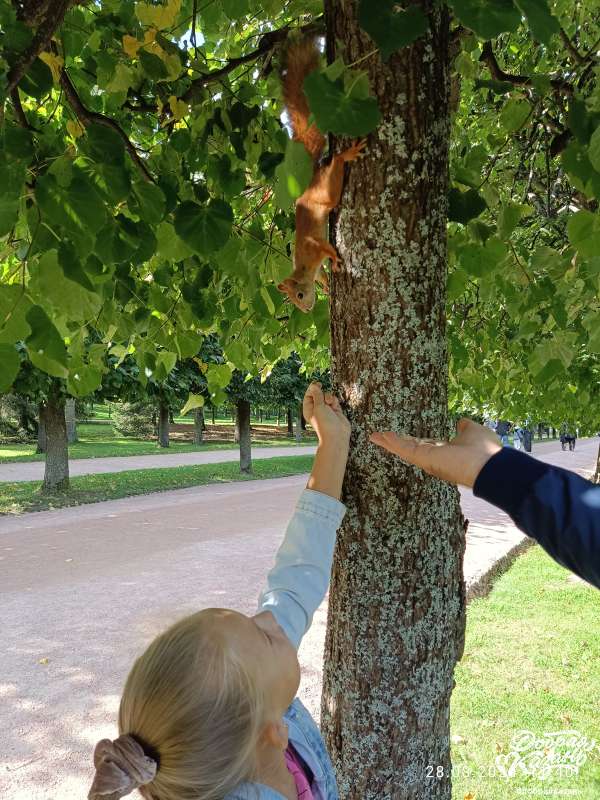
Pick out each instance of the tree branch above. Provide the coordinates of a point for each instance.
(86, 117)
(575, 54)
(51, 20)
(268, 41)
(488, 57)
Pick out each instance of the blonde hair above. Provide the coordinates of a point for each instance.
(191, 702)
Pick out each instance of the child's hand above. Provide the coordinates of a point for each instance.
(324, 413)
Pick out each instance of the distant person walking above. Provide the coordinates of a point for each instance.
(502, 429)
(518, 438)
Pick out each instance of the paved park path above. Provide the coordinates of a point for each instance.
(34, 470)
(84, 590)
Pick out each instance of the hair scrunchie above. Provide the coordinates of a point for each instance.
(121, 767)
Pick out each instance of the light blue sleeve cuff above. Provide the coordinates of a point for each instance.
(298, 582)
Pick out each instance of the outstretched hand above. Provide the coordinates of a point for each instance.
(458, 461)
(325, 414)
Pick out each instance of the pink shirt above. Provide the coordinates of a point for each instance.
(294, 766)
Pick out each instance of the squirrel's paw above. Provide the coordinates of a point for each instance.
(355, 151)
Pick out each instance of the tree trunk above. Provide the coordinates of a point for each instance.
(298, 424)
(198, 425)
(302, 420)
(397, 600)
(212, 411)
(56, 473)
(290, 422)
(278, 415)
(41, 434)
(242, 427)
(596, 478)
(163, 425)
(70, 420)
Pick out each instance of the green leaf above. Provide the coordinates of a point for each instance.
(508, 218)
(9, 210)
(542, 23)
(14, 305)
(583, 229)
(594, 149)
(236, 8)
(105, 145)
(18, 142)
(193, 401)
(45, 345)
(391, 28)
(487, 19)
(464, 206)
(204, 228)
(151, 200)
(37, 82)
(514, 114)
(218, 376)
(339, 111)
(71, 265)
(153, 66)
(293, 175)
(10, 363)
(83, 380)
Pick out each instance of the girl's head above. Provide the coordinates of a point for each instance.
(206, 701)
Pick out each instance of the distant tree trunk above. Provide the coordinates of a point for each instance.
(56, 473)
(71, 420)
(278, 415)
(397, 600)
(198, 425)
(163, 424)
(290, 422)
(212, 411)
(171, 418)
(242, 427)
(302, 420)
(298, 424)
(41, 433)
(596, 477)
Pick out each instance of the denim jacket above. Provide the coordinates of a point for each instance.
(296, 586)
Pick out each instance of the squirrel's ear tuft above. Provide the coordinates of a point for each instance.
(287, 286)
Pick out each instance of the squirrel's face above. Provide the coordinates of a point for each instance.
(302, 295)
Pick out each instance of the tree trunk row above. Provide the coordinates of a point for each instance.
(242, 429)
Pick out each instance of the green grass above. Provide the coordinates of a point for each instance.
(99, 440)
(531, 662)
(23, 497)
(102, 412)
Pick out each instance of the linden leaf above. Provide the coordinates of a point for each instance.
(55, 63)
(158, 16)
(131, 45)
(75, 128)
(193, 401)
(179, 108)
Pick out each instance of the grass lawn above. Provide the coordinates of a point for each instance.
(99, 440)
(531, 662)
(20, 498)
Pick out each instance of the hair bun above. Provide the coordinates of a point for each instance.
(121, 766)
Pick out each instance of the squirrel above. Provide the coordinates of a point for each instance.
(325, 189)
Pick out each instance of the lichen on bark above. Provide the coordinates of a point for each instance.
(396, 608)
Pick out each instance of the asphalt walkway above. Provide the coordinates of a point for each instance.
(84, 590)
(34, 470)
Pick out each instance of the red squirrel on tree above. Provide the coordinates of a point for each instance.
(325, 189)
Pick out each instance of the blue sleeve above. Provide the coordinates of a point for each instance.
(557, 508)
(298, 582)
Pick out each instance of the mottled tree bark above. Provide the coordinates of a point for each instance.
(56, 472)
(163, 425)
(242, 426)
(41, 433)
(71, 420)
(397, 599)
(198, 425)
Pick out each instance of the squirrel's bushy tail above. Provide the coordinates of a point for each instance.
(302, 57)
